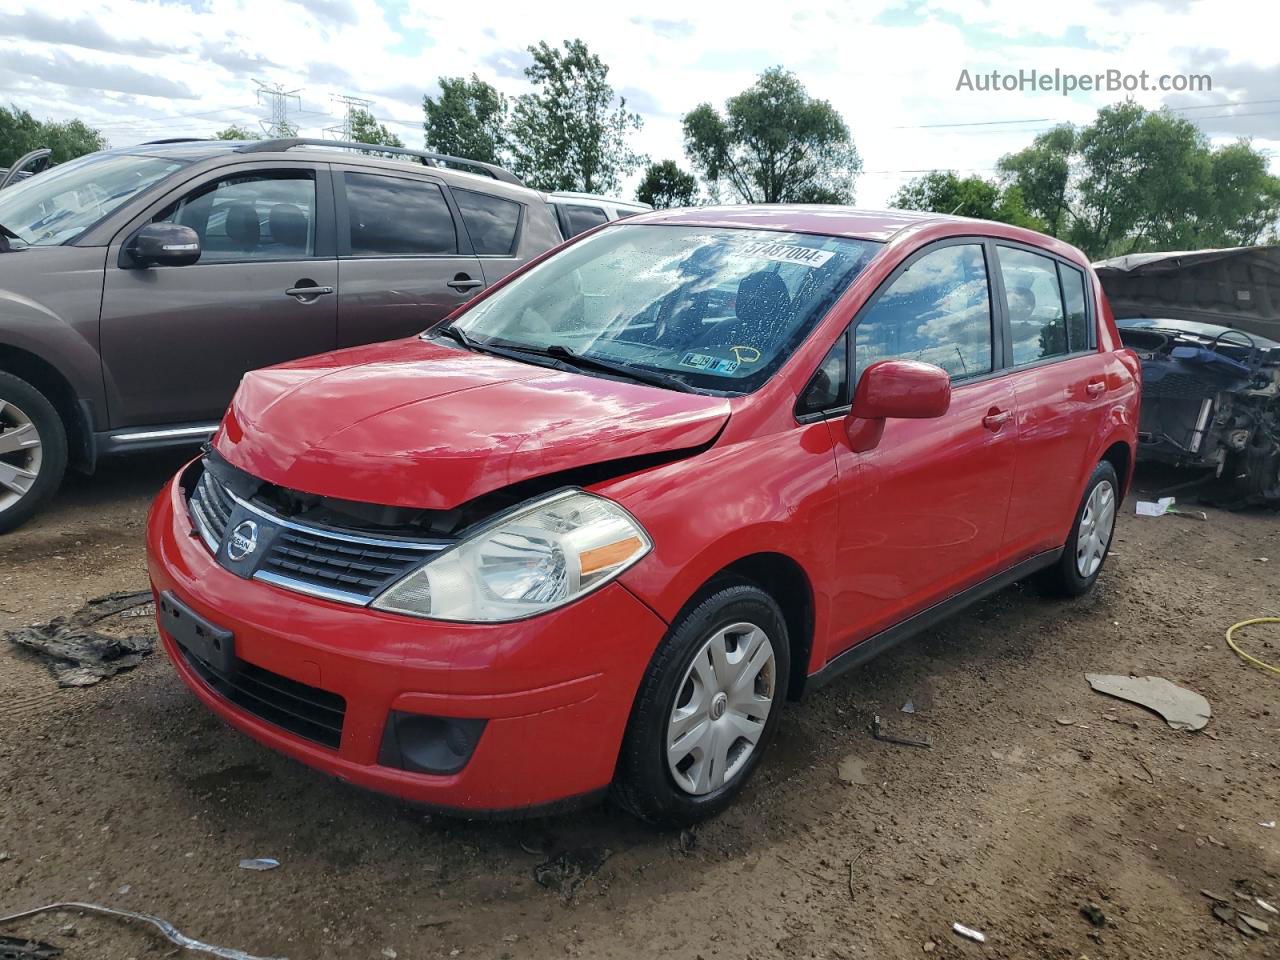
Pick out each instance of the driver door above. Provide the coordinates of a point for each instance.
(177, 340)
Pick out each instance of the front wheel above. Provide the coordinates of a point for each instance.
(1086, 549)
(33, 450)
(706, 709)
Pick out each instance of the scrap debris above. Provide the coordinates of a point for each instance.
(167, 929)
(259, 863)
(975, 935)
(1182, 709)
(19, 948)
(82, 649)
(879, 734)
(567, 871)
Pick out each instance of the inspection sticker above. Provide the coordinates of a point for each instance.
(784, 253)
(709, 364)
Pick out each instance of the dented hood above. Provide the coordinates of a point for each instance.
(416, 424)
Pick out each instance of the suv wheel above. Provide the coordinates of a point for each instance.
(33, 451)
(1086, 548)
(707, 708)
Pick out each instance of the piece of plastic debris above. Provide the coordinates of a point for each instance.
(1066, 721)
(1182, 709)
(168, 930)
(259, 863)
(1155, 508)
(389, 953)
(124, 888)
(975, 935)
(1269, 824)
(569, 869)
(1213, 896)
(879, 734)
(19, 948)
(1093, 913)
(852, 770)
(79, 652)
(1258, 925)
(1265, 906)
(909, 707)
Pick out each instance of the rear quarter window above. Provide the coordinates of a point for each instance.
(492, 222)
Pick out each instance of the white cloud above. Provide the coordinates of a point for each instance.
(891, 69)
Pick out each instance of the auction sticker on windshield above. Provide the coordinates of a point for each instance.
(783, 253)
(708, 364)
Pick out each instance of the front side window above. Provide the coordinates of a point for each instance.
(1034, 299)
(937, 311)
(257, 216)
(491, 221)
(396, 217)
(62, 203)
(719, 308)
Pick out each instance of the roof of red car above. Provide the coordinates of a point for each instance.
(802, 218)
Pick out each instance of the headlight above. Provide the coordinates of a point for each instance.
(529, 562)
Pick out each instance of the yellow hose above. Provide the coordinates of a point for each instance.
(1236, 647)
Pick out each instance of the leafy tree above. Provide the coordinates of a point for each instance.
(666, 185)
(944, 192)
(774, 144)
(1136, 179)
(236, 132)
(20, 133)
(571, 132)
(366, 129)
(467, 120)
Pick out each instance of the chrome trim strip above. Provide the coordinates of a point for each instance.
(164, 434)
(326, 534)
(202, 524)
(324, 593)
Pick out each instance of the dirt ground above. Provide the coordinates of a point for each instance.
(1038, 797)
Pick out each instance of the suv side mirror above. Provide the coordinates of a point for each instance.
(163, 245)
(902, 389)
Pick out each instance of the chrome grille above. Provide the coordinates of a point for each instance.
(347, 566)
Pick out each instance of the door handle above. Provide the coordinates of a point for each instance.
(1095, 388)
(996, 418)
(307, 290)
(463, 282)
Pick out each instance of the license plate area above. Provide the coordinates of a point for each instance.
(214, 645)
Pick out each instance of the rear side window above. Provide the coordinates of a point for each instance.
(491, 221)
(393, 217)
(1034, 299)
(1073, 300)
(938, 311)
(581, 219)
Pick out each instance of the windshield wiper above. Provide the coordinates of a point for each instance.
(652, 377)
(540, 357)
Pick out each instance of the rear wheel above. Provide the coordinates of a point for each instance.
(707, 708)
(33, 451)
(1086, 549)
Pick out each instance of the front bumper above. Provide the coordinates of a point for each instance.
(556, 689)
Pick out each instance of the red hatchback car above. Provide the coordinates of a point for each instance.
(595, 528)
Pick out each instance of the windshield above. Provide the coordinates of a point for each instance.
(1206, 330)
(719, 308)
(60, 204)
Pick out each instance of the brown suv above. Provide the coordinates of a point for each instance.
(138, 285)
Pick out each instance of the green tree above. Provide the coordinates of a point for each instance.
(571, 132)
(366, 129)
(21, 133)
(666, 185)
(467, 120)
(774, 144)
(1042, 173)
(236, 132)
(942, 191)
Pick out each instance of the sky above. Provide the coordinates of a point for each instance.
(145, 69)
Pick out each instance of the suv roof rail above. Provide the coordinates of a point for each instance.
(152, 143)
(435, 159)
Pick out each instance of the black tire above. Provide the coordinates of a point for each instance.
(16, 508)
(644, 784)
(1064, 578)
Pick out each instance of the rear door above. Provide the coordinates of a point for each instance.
(922, 516)
(1060, 382)
(405, 259)
(176, 340)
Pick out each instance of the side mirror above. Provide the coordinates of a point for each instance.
(163, 245)
(901, 389)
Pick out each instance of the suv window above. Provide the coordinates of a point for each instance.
(1036, 317)
(259, 216)
(581, 219)
(491, 221)
(1073, 300)
(938, 311)
(396, 217)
